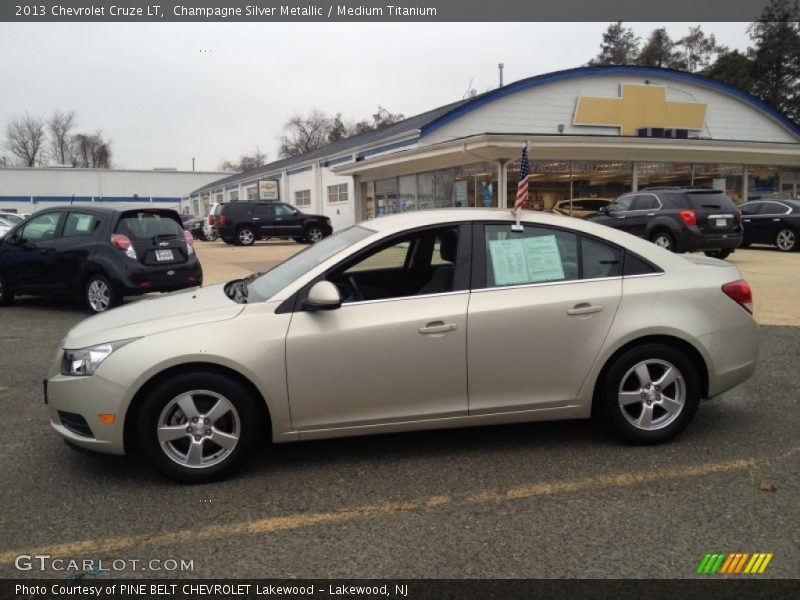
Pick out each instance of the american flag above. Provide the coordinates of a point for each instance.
(522, 185)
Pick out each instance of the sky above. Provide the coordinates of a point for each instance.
(167, 92)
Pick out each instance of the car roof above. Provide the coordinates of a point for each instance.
(103, 209)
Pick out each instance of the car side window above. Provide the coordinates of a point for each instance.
(599, 259)
(645, 202)
(622, 203)
(41, 228)
(421, 263)
(263, 210)
(533, 255)
(78, 224)
(283, 210)
(750, 208)
(772, 208)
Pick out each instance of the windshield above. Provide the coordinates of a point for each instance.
(273, 281)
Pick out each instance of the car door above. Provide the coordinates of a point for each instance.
(538, 315)
(74, 248)
(750, 224)
(643, 209)
(263, 218)
(400, 356)
(288, 221)
(616, 214)
(29, 262)
(771, 219)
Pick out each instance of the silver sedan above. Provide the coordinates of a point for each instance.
(424, 320)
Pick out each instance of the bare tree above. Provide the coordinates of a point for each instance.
(60, 126)
(304, 133)
(254, 159)
(25, 138)
(91, 151)
(383, 118)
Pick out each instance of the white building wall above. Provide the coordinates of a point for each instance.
(341, 214)
(302, 181)
(543, 108)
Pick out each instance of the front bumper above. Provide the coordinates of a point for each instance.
(87, 397)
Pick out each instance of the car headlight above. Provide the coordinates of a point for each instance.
(86, 361)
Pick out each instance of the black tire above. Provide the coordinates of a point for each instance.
(786, 240)
(245, 237)
(720, 254)
(100, 294)
(210, 238)
(313, 234)
(665, 240)
(621, 379)
(6, 294)
(167, 458)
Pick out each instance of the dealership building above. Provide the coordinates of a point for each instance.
(592, 132)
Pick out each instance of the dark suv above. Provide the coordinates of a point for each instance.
(678, 219)
(100, 253)
(243, 223)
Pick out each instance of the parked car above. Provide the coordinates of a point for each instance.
(5, 226)
(678, 219)
(774, 222)
(581, 207)
(420, 320)
(100, 253)
(13, 218)
(195, 227)
(243, 223)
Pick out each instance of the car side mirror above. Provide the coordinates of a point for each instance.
(323, 296)
(602, 210)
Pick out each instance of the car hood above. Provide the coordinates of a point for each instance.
(193, 306)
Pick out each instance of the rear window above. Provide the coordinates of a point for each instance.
(710, 200)
(142, 225)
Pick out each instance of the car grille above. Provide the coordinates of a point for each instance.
(75, 423)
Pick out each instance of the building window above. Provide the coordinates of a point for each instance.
(233, 196)
(302, 197)
(252, 193)
(218, 198)
(337, 193)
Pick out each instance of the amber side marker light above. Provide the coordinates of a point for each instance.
(107, 418)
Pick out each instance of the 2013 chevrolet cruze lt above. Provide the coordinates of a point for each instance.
(422, 320)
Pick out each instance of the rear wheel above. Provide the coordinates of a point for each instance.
(786, 240)
(100, 294)
(245, 237)
(650, 394)
(198, 427)
(721, 254)
(314, 234)
(665, 240)
(210, 237)
(6, 295)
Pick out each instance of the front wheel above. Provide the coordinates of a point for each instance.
(314, 234)
(786, 240)
(650, 394)
(198, 427)
(6, 295)
(664, 240)
(210, 237)
(100, 294)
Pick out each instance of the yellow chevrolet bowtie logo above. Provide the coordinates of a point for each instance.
(639, 106)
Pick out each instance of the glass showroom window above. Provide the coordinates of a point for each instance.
(302, 198)
(337, 193)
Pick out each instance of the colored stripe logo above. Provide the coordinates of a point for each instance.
(734, 563)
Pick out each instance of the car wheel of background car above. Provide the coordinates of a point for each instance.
(649, 394)
(245, 237)
(664, 240)
(314, 234)
(198, 427)
(721, 254)
(786, 240)
(6, 295)
(100, 294)
(211, 237)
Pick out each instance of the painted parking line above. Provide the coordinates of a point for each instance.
(288, 522)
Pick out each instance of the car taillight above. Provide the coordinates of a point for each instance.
(211, 219)
(739, 291)
(189, 242)
(123, 242)
(221, 221)
(689, 217)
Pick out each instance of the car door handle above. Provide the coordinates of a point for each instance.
(747, 220)
(584, 309)
(256, 218)
(776, 219)
(651, 214)
(47, 250)
(438, 327)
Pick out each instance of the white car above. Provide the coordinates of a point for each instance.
(421, 320)
(5, 226)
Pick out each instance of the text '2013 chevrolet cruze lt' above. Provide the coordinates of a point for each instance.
(422, 320)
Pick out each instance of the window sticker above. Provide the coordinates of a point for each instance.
(526, 260)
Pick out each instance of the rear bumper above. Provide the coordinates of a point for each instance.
(733, 354)
(141, 279)
(695, 240)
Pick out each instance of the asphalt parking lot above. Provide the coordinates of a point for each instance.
(537, 500)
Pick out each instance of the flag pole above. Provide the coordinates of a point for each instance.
(518, 226)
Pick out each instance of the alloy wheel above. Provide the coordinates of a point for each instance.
(652, 394)
(785, 240)
(663, 241)
(99, 295)
(246, 237)
(314, 235)
(199, 429)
